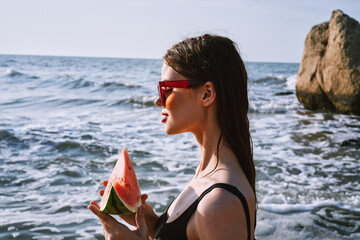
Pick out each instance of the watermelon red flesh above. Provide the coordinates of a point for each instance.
(122, 193)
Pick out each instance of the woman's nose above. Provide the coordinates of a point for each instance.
(157, 102)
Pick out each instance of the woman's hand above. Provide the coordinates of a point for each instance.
(115, 230)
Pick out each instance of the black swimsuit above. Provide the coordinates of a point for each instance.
(176, 230)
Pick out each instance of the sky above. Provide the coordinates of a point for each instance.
(265, 30)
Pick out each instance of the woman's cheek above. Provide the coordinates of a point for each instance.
(169, 100)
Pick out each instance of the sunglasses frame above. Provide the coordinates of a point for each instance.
(174, 84)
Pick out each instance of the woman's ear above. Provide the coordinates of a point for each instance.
(208, 94)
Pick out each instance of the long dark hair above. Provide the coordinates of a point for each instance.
(217, 59)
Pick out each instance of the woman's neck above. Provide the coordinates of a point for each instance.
(214, 153)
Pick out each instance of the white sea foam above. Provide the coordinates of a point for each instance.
(291, 82)
(272, 107)
(286, 208)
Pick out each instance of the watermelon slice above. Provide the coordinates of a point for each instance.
(122, 193)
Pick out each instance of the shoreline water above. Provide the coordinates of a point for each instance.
(64, 120)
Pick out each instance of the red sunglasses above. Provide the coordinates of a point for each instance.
(163, 85)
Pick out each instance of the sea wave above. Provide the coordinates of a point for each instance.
(140, 101)
(119, 84)
(76, 148)
(9, 139)
(289, 82)
(279, 204)
(272, 79)
(12, 73)
(77, 82)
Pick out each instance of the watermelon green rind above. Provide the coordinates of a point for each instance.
(114, 205)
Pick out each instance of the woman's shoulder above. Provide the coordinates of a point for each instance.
(216, 214)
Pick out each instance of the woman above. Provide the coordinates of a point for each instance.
(203, 91)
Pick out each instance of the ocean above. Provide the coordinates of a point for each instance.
(64, 121)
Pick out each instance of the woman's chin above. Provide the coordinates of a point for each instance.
(171, 131)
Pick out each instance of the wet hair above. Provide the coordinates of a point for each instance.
(216, 59)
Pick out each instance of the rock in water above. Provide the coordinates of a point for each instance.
(329, 73)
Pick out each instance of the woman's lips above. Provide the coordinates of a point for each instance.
(165, 117)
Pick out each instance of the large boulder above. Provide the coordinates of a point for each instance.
(329, 73)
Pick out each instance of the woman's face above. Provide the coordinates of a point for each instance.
(182, 111)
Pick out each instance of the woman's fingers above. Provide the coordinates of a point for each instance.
(130, 218)
(106, 220)
(116, 230)
(94, 203)
(141, 226)
(105, 182)
(101, 192)
(143, 198)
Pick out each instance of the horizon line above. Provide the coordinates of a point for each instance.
(139, 58)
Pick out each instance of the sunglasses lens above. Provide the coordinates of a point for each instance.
(161, 95)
